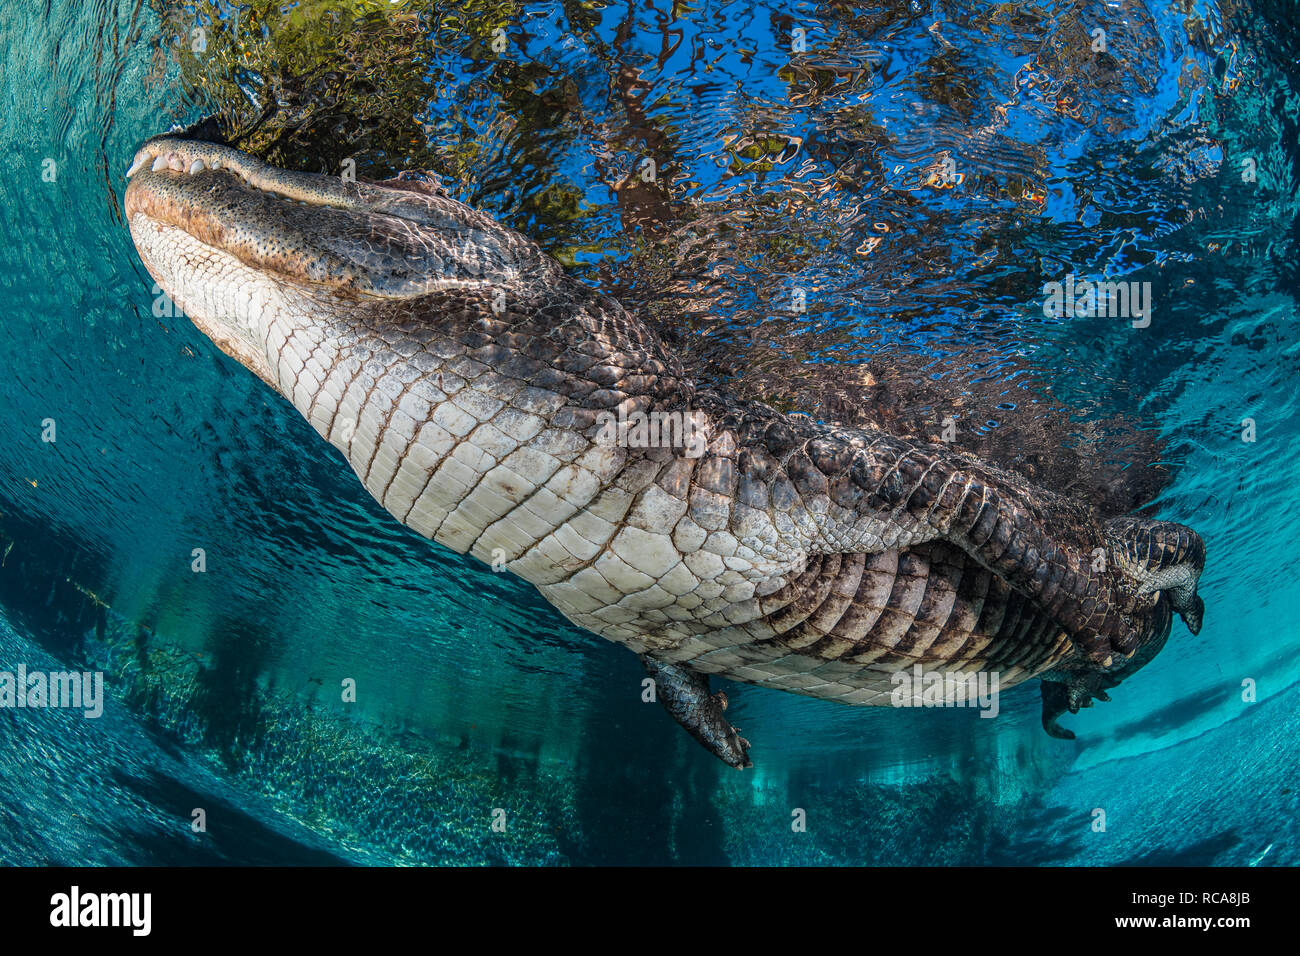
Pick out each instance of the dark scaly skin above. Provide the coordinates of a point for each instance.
(995, 517)
(685, 695)
(1163, 556)
(1071, 687)
(462, 374)
(1154, 548)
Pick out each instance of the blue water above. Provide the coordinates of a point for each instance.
(786, 170)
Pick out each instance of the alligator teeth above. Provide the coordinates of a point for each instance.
(141, 158)
(172, 160)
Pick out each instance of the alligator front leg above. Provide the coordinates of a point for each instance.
(685, 695)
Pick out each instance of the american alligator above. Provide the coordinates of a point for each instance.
(471, 384)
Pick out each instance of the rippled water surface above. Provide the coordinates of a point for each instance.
(920, 170)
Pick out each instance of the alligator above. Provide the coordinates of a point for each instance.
(492, 402)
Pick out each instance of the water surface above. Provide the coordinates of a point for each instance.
(920, 170)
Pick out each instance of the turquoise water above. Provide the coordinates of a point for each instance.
(786, 169)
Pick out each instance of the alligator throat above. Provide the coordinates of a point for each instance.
(496, 405)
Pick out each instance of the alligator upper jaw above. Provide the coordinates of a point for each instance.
(345, 238)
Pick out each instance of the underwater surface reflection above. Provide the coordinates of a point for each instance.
(923, 168)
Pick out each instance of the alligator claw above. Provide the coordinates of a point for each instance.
(1056, 730)
(1055, 702)
(685, 695)
(1071, 692)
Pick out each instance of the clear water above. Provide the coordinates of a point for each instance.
(786, 169)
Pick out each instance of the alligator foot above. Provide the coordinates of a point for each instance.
(1070, 693)
(1055, 704)
(685, 695)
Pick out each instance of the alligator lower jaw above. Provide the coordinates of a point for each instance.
(161, 247)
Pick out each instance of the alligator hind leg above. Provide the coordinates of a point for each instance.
(1078, 689)
(685, 695)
